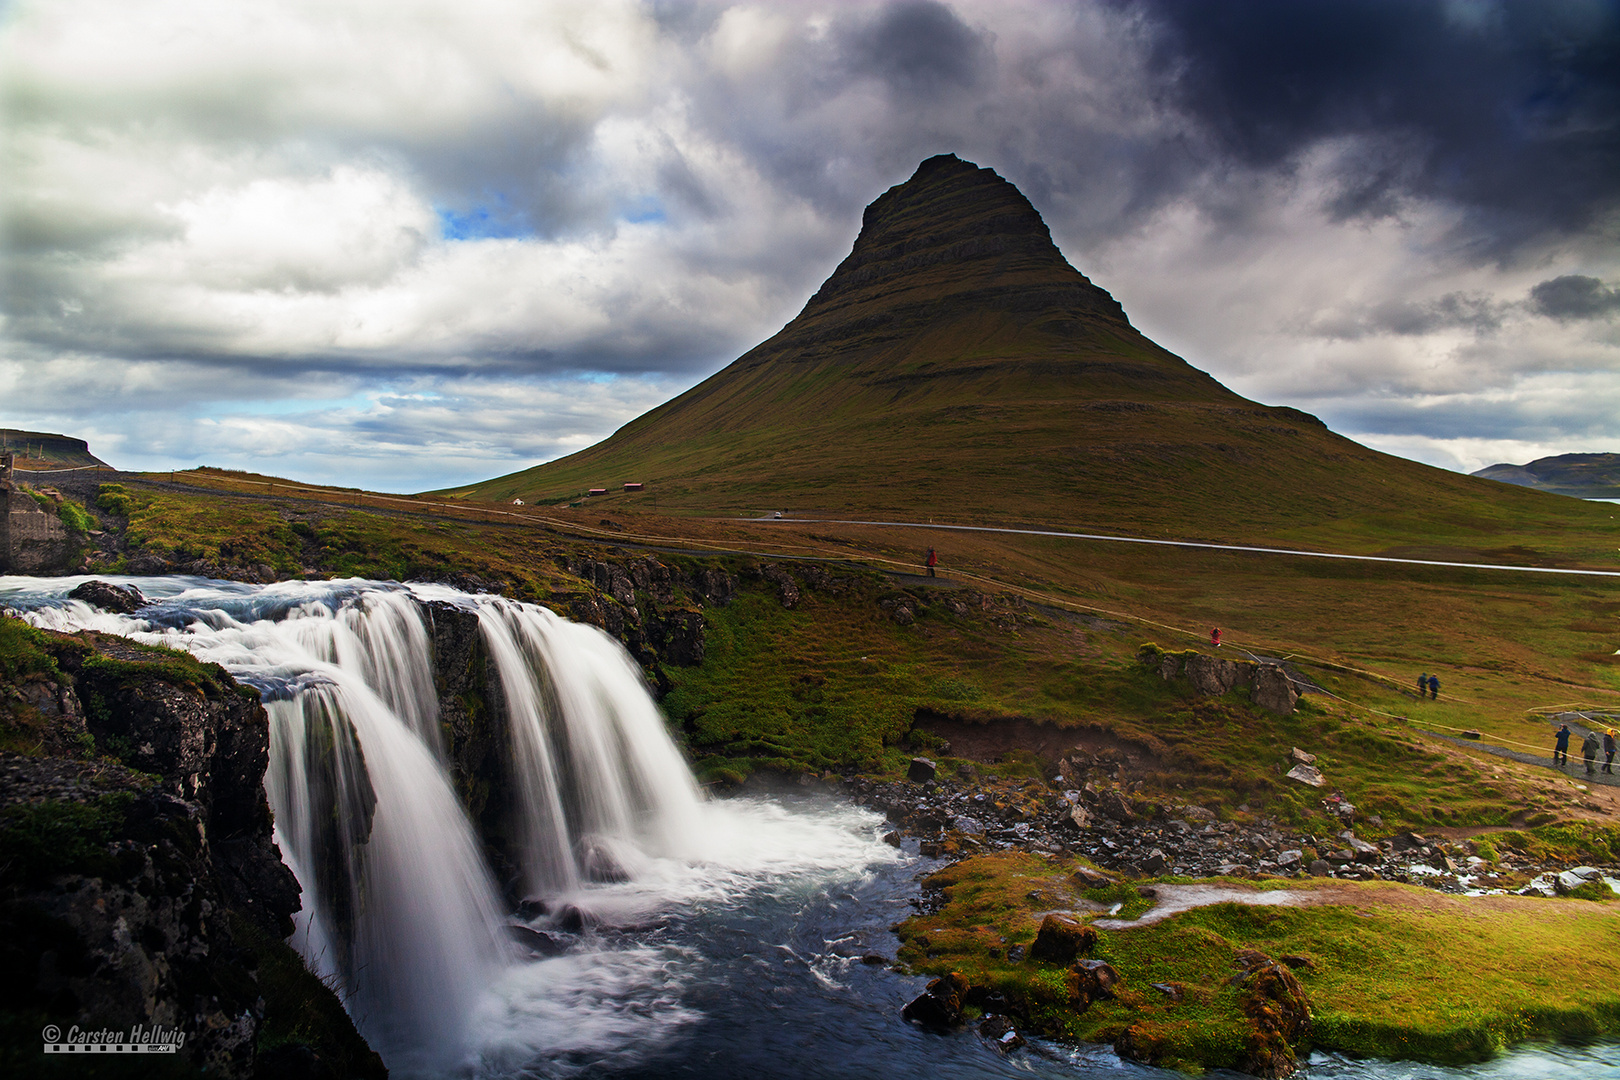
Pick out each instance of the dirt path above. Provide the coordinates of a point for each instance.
(1174, 899)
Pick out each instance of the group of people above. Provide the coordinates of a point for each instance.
(1430, 684)
(1589, 748)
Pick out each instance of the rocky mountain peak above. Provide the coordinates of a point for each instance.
(955, 233)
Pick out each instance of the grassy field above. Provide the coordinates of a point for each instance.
(1393, 971)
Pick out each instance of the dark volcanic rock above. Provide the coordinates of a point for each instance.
(940, 1005)
(157, 896)
(119, 599)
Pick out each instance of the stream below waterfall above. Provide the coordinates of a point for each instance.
(670, 934)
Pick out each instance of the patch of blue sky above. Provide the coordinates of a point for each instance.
(481, 223)
(646, 209)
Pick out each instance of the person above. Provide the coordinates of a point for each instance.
(1561, 746)
(1608, 751)
(1589, 749)
(1215, 637)
(1423, 683)
(1434, 686)
(933, 561)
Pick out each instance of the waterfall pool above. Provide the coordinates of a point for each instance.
(668, 935)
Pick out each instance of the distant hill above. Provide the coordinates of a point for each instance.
(44, 450)
(956, 365)
(1585, 476)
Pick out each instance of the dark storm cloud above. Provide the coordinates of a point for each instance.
(1574, 296)
(918, 47)
(1409, 318)
(1507, 109)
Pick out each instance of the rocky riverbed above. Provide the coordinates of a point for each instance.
(1127, 833)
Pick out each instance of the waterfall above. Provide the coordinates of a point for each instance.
(401, 913)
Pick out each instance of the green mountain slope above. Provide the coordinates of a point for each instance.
(1585, 476)
(955, 366)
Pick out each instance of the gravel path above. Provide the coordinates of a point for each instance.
(1575, 770)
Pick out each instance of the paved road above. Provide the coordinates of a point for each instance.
(1199, 544)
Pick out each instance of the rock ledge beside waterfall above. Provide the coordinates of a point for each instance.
(142, 886)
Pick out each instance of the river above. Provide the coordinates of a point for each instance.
(733, 938)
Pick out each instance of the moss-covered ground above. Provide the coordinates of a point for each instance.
(1392, 970)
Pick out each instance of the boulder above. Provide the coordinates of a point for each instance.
(1000, 1033)
(1080, 817)
(1279, 1014)
(1320, 868)
(1092, 980)
(1112, 804)
(1060, 939)
(1157, 862)
(1307, 774)
(921, 770)
(1273, 690)
(1213, 676)
(940, 1005)
(118, 599)
(1300, 757)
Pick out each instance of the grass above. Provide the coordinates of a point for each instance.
(1395, 972)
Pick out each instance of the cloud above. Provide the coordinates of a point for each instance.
(375, 222)
(1574, 296)
(1510, 111)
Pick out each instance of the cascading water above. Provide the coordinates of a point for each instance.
(401, 914)
(730, 935)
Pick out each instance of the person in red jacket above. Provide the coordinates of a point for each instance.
(1215, 637)
(933, 561)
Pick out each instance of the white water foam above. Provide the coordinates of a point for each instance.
(401, 913)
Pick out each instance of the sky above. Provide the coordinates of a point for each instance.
(406, 245)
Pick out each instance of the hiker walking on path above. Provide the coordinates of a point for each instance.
(933, 561)
(1215, 637)
(1589, 749)
(1423, 683)
(1608, 751)
(1561, 746)
(1434, 686)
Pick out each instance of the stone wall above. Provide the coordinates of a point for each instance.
(32, 539)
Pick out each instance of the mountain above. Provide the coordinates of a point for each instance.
(956, 365)
(43, 450)
(1585, 476)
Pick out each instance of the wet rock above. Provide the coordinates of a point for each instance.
(892, 839)
(940, 1005)
(921, 770)
(1061, 939)
(573, 919)
(119, 599)
(1000, 1032)
(1567, 882)
(535, 942)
